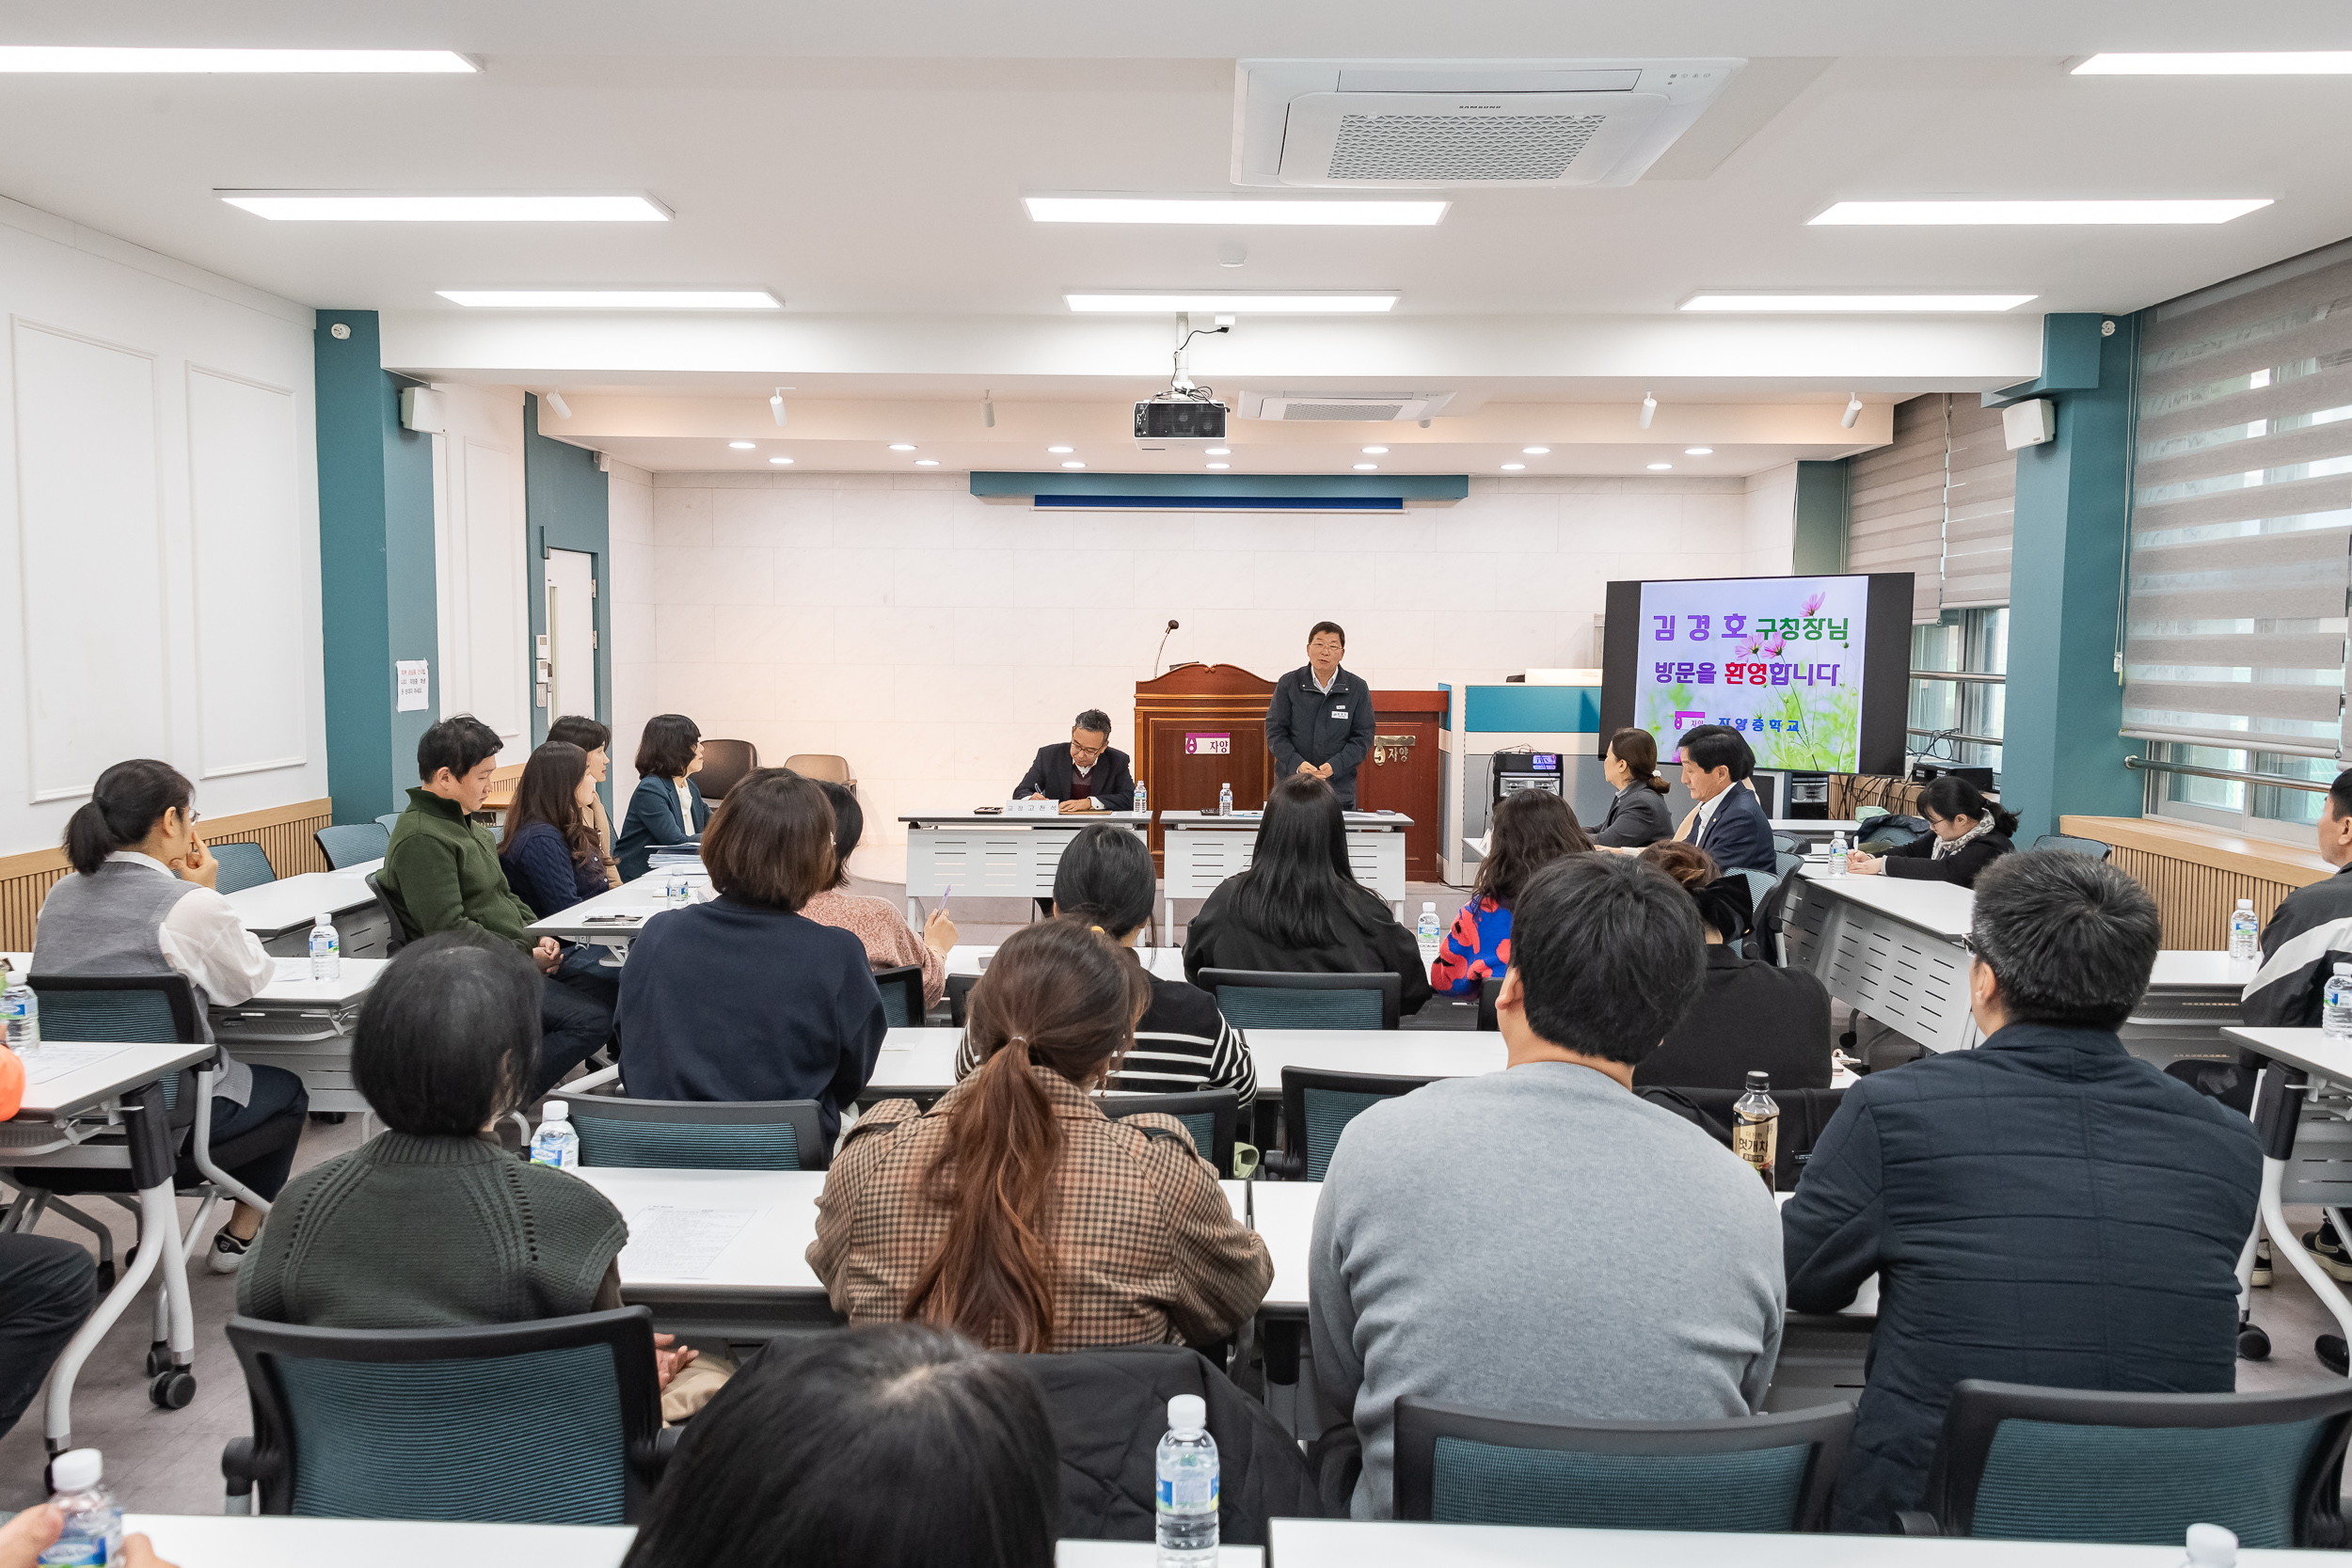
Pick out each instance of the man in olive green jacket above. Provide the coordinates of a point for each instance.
(443, 874)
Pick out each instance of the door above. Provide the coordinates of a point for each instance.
(1401, 774)
(571, 679)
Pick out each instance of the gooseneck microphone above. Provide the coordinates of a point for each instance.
(1162, 649)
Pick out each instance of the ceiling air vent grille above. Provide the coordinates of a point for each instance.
(1342, 410)
(1457, 148)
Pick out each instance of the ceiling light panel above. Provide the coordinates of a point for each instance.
(1228, 212)
(2039, 212)
(1268, 304)
(448, 207)
(613, 299)
(86, 61)
(1855, 304)
(2315, 62)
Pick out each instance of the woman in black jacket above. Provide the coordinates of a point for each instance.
(1971, 832)
(1299, 908)
(1637, 813)
(1752, 1017)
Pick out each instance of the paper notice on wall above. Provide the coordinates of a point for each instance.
(414, 679)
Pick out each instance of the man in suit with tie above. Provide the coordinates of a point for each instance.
(1731, 825)
(1088, 774)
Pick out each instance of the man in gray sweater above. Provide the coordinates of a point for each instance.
(1538, 1242)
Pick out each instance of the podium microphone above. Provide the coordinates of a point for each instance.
(1162, 649)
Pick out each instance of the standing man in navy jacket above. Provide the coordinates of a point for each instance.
(1319, 720)
(1732, 825)
(2044, 1209)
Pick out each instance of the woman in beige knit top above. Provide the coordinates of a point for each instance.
(890, 941)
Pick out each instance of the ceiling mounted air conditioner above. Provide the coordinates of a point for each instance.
(1343, 405)
(1357, 124)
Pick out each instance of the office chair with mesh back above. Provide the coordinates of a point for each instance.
(397, 933)
(691, 1134)
(1489, 988)
(1317, 1105)
(352, 843)
(557, 1420)
(2067, 842)
(242, 866)
(724, 764)
(823, 766)
(1208, 1114)
(1772, 913)
(902, 996)
(1790, 844)
(389, 822)
(1752, 1474)
(1265, 999)
(2018, 1463)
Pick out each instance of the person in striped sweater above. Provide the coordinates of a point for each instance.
(1184, 1042)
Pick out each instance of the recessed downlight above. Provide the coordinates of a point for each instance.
(1513, 468)
(1375, 452)
(744, 446)
(1220, 465)
(1698, 452)
(1537, 451)
(1073, 465)
(779, 460)
(1366, 468)
(1220, 452)
(1659, 468)
(1059, 449)
(902, 446)
(927, 462)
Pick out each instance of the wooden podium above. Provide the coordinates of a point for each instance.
(1202, 725)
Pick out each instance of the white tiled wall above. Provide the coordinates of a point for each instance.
(936, 641)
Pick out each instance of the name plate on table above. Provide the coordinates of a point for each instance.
(1198, 745)
(1033, 808)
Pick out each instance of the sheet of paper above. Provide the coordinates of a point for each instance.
(680, 1243)
(293, 968)
(43, 1063)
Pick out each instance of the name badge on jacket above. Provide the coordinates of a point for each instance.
(1339, 713)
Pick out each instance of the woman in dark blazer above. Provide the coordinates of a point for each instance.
(1299, 908)
(1637, 813)
(1752, 1017)
(667, 807)
(1970, 834)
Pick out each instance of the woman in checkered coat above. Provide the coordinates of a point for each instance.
(1014, 1210)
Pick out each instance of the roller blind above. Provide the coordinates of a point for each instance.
(1980, 506)
(1896, 511)
(2242, 514)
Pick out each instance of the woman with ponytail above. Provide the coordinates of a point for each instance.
(1637, 813)
(1013, 1210)
(141, 901)
(1969, 833)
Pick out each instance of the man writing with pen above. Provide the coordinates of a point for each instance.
(1088, 774)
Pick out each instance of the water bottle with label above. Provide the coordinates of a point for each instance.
(1838, 854)
(557, 1142)
(1142, 806)
(2246, 939)
(1429, 933)
(674, 887)
(327, 949)
(2335, 1013)
(1224, 800)
(1187, 1490)
(20, 1008)
(93, 1521)
(1756, 1126)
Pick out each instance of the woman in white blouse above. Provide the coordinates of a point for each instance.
(141, 901)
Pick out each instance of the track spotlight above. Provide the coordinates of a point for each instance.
(1650, 408)
(1853, 411)
(555, 401)
(988, 412)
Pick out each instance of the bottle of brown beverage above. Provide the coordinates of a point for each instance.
(1756, 1126)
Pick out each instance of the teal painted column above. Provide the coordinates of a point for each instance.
(1819, 547)
(375, 568)
(2062, 752)
(567, 505)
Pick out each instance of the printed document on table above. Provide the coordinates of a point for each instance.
(681, 1244)
(45, 1063)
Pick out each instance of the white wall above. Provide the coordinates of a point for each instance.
(158, 529)
(936, 641)
(480, 560)
(1769, 522)
(630, 583)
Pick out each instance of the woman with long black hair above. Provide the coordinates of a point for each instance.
(1299, 908)
(1968, 832)
(550, 849)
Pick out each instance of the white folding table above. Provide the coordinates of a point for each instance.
(1202, 848)
(1890, 948)
(280, 913)
(922, 1062)
(1398, 1543)
(992, 855)
(972, 959)
(305, 1026)
(2313, 1158)
(612, 918)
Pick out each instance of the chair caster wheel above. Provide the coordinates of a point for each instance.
(173, 1390)
(105, 1276)
(2252, 1344)
(2329, 1348)
(158, 1360)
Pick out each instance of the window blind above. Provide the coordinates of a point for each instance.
(2242, 514)
(1980, 506)
(1896, 513)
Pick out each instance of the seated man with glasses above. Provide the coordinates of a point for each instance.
(2044, 1208)
(1088, 774)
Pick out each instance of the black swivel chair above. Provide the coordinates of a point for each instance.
(398, 933)
(1265, 999)
(1317, 1105)
(1208, 1114)
(693, 1135)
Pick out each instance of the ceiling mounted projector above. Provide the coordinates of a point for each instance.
(1357, 406)
(1357, 124)
(1176, 420)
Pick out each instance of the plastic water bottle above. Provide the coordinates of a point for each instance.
(2335, 1013)
(1187, 1490)
(1224, 800)
(1838, 854)
(327, 949)
(20, 1010)
(1429, 933)
(2245, 931)
(557, 1142)
(1143, 801)
(674, 890)
(93, 1521)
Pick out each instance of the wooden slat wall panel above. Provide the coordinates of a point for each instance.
(283, 833)
(2195, 901)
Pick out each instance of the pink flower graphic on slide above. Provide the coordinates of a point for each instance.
(1813, 604)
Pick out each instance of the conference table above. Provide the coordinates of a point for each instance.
(921, 1063)
(2307, 1147)
(279, 913)
(1006, 853)
(1201, 848)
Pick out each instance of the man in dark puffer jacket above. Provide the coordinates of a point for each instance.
(2044, 1208)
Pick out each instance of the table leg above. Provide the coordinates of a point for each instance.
(2278, 1108)
(1168, 922)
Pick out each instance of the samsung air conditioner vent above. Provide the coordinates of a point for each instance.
(1369, 124)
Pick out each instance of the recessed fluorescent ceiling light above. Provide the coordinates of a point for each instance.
(1073, 465)
(779, 460)
(1367, 468)
(1659, 468)
(1220, 465)
(485, 207)
(1827, 304)
(615, 299)
(1374, 451)
(2316, 62)
(902, 446)
(927, 462)
(1220, 452)
(1232, 212)
(1513, 468)
(1698, 452)
(1291, 304)
(1537, 451)
(31, 58)
(1062, 448)
(2157, 211)
(743, 445)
